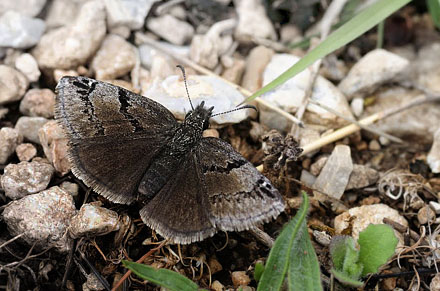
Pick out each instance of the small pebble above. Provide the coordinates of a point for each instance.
(214, 265)
(240, 278)
(25, 178)
(335, 174)
(10, 138)
(27, 64)
(171, 29)
(93, 221)
(374, 145)
(55, 146)
(360, 217)
(435, 206)
(20, 31)
(25, 152)
(253, 21)
(433, 158)
(425, 215)
(217, 286)
(71, 188)
(13, 84)
(435, 283)
(29, 127)
(70, 46)
(257, 60)
(38, 103)
(362, 176)
(357, 106)
(47, 215)
(114, 59)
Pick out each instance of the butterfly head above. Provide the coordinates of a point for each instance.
(199, 117)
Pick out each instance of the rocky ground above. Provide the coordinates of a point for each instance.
(56, 231)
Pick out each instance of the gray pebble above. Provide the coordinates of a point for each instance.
(26, 178)
(9, 139)
(42, 217)
(29, 127)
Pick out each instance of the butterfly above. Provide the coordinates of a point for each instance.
(131, 148)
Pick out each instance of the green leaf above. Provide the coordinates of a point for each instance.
(162, 277)
(345, 279)
(434, 10)
(345, 257)
(279, 257)
(377, 244)
(259, 269)
(303, 272)
(349, 31)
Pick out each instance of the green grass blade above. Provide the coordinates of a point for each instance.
(162, 277)
(278, 261)
(434, 10)
(349, 31)
(303, 272)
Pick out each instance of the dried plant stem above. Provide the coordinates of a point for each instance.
(128, 273)
(375, 131)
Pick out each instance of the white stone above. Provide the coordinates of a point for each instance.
(38, 102)
(357, 106)
(27, 64)
(435, 206)
(289, 95)
(253, 21)
(47, 215)
(171, 29)
(63, 12)
(374, 69)
(172, 94)
(29, 126)
(26, 178)
(130, 13)
(417, 123)
(13, 84)
(147, 53)
(206, 49)
(10, 138)
(358, 218)
(29, 8)
(19, 31)
(433, 157)
(114, 59)
(334, 177)
(425, 68)
(55, 146)
(92, 220)
(70, 46)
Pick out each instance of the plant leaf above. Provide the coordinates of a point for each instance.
(349, 31)
(258, 272)
(377, 244)
(303, 272)
(162, 277)
(279, 256)
(434, 10)
(345, 279)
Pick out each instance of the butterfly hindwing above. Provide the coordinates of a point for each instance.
(240, 197)
(180, 210)
(113, 134)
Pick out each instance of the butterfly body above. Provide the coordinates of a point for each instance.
(128, 147)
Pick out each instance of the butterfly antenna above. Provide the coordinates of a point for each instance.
(239, 108)
(186, 86)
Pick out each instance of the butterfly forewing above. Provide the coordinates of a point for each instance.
(113, 134)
